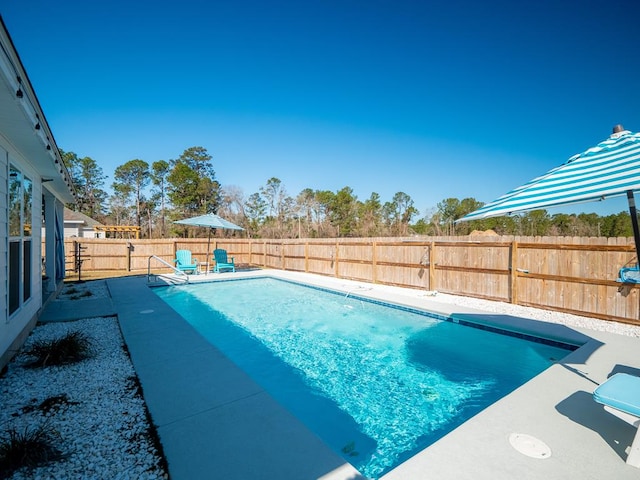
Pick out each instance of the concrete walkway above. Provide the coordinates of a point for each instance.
(67, 310)
(215, 422)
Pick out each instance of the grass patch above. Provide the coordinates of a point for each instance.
(51, 404)
(71, 348)
(73, 293)
(31, 448)
(86, 293)
(133, 386)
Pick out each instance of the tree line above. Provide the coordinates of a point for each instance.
(152, 196)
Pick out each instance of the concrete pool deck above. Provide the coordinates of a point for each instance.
(215, 422)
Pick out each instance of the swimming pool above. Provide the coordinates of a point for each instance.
(377, 384)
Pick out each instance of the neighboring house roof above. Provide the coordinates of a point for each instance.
(76, 217)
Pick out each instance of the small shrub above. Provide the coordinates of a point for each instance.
(32, 448)
(72, 348)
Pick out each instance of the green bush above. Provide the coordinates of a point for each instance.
(71, 348)
(31, 448)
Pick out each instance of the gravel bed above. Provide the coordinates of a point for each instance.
(101, 425)
(538, 314)
(83, 291)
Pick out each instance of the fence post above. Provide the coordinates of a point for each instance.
(76, 256)
(432, 266)
(513, 260)
(306, 257)
(129, 248)
(283, 260)
(374, 263)
(336, 271)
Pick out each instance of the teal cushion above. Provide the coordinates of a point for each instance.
(621, 391)
(629, 275)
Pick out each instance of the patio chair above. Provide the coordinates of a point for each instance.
(185, 263)
(620, 395)
(222, 262)
(629, 275)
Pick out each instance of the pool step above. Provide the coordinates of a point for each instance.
(160, 280)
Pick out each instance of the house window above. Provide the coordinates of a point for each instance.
(20, 238)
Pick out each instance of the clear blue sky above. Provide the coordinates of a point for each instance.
(434, 99)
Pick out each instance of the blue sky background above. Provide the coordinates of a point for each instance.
(434, 99)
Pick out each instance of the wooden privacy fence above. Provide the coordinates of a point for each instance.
(568, 274)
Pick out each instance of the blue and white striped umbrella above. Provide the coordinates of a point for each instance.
(609, 169)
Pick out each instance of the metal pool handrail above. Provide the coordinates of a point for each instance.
(178, 272)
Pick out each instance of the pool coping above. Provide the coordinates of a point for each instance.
(195, 412)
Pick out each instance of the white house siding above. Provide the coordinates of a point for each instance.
(71, 232)
(4, 244)
(16, 326)
(26, 142)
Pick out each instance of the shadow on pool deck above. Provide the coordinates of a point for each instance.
(215, 422)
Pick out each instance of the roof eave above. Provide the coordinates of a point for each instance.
(24, 125)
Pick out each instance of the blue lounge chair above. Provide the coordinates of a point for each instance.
(185, 263)
(222, 262)
(629, 275)
(620, 395)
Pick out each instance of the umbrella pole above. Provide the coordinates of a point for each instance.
(634, 222)
(208, 250)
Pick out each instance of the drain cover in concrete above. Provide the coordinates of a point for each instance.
(529, 446)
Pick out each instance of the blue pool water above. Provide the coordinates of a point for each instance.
(377, 384)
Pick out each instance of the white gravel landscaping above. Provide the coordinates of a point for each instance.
(101, 425)
(539, 314)
(83, 291)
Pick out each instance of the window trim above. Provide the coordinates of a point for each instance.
(19, 268)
